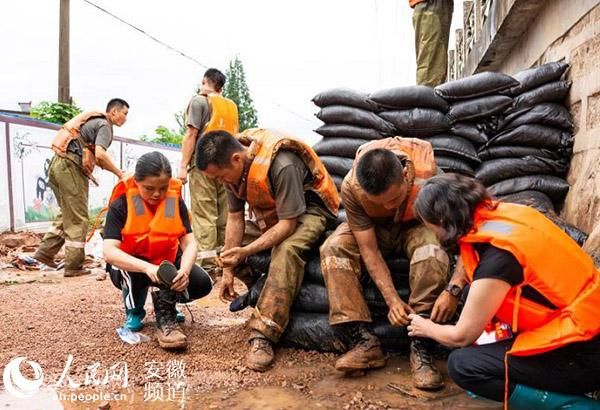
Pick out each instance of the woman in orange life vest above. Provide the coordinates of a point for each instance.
(147, 223)
(526, 272)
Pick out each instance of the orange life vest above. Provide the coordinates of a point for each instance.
(71, 131)
(413, 3)
(263, 147)
(223, 116)
(151, 234)
(418, 157)
(553, 264)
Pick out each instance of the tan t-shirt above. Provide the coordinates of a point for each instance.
(356, 215)
(198, 112)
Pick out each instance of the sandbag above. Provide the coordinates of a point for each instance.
(534, 199)
(556, 188)
(337, 165)
(534, 77)
(552, 92)
(452, 146)
(450, 164)
(575, 233)
(337, 179)
(470, 131)
(417, 122)
(342, 114)
(348, 131)
(515, 151)
(478, 108)
(409, 97)
(534, 135)
(477, 85)
(500, 169)
(341, 147)
(344, 96)
(550, 114)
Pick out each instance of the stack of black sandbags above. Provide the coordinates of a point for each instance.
(350, 121)
(309, 320)
(533, 146)
(475, 104)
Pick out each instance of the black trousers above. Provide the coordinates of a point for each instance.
(573, 369)
(136, 284)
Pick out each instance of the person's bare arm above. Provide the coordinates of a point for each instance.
(187, 243)
(234, 234)
(105, 161)
(380, 273)
(445, 305)
(188, 145)
(122, 260)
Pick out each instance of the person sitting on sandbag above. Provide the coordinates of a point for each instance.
(293, 199)
(378, 195)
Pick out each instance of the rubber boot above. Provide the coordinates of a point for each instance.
(366, 350)
(134, 317)
(168, 333)
(525, 397)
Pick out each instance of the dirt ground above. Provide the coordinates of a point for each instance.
(47, 319)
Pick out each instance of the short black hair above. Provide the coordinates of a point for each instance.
(377, 170)
(116, 103)
(216, 147)
(152, 164)
(216, 77)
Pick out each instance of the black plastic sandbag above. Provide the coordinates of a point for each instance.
(409, 97)
(555, 187)
(550, 114)
(342, 114)
(344, 96)
(534, 135)
(575, 233)
(534, 199)
(536, 76)
(500, 169)
(453, 146)
(470, 131)
(517, 151)
(478, 108)
(340, 147)
(418, 122)
(450, 164)
(348, 131)
(337, 165)
(552, 92)
(477, 85)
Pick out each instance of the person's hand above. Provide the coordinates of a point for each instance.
(226, 292)
(398, 314)
(124, 174)
(232, 257)
(152, 273)
(181, 281)
(419, 326)
(444, 307)
(183, 174)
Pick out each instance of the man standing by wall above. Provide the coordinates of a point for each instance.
(79, 145)
(431, 20)
(207, 111)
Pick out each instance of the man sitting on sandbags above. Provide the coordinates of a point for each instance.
(292, 198)
(378, 195)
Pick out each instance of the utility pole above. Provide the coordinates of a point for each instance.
(64, 86)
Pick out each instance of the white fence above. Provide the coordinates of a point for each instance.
(26, 200)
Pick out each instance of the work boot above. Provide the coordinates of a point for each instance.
(366, 350)
(45, 260)
(71, 273)
(425, 375)
(260, 356)
(168, 333)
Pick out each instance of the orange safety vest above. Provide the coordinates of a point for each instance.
(224, 115)
(151, 234)
(71, 131)
(553, 264)
(418, 157)
(413, 3)
(263, 147)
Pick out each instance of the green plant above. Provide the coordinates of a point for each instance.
(166, 135)
(55, 112)
(237, 90)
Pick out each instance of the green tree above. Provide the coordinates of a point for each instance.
(164, 135)
(55, 112)
(237, 90)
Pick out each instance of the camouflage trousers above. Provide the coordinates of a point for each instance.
(70, 187)
(209, 213)
(431, 21)
(341, 265)
(286, 272)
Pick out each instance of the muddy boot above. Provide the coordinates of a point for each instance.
(366, 350)
(260, 356)
(78, 272)
(45, 260)
(168, 333)
(425, 375)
